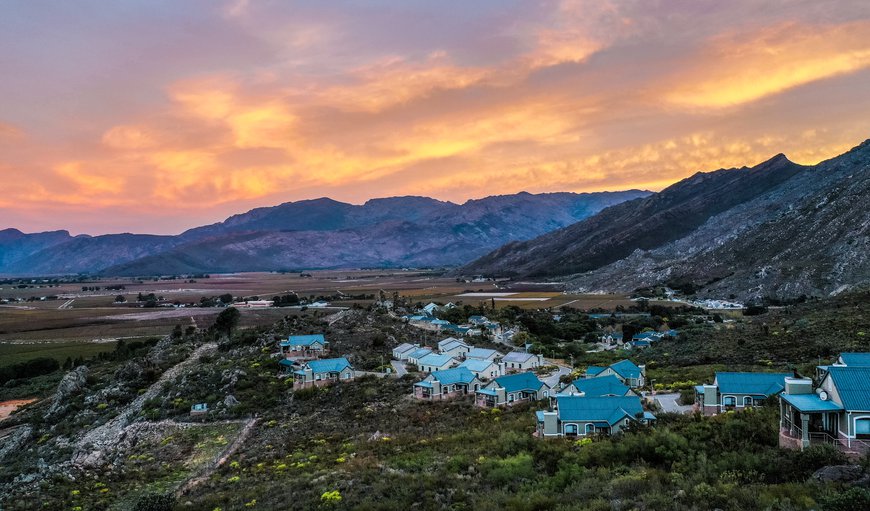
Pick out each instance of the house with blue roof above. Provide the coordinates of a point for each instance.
(837, 412)
(438, 385)
(511, 389)
(478, 320)
(848, 359)
(415, 356)
(435, 362)
(322, 372)
(596, 387)
(736, 391)
(574, 416)
(485, 369)
(304, 346)
(627, 371)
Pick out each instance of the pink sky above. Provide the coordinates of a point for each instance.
(162, 115)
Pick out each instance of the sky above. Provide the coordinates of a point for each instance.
(156, 116)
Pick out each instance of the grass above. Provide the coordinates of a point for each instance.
(15, 353)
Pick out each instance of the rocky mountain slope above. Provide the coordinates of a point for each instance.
(777, 230)
(319, 233)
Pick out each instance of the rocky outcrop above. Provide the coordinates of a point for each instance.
(73, 383)
(853, 475)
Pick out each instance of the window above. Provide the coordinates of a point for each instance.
(747, 401)
(590, 429)
(729, 401)
(570, 429)
(862, 427)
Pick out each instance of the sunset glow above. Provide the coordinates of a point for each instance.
(160, 116)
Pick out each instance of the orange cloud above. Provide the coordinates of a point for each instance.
(738, 68)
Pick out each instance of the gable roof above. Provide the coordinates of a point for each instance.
(855, 359)
(519, 381)
(434, 359)
(853, 386)
(598, 409)
(762, 384)
(602, 386)
(420, 353)
(454, 375)
(481, 353)
(451, 343)
(304, 340)
(404, 347)
(518, 356)
(593, 370)
(477, 364)
(328, 365)
(626, 369)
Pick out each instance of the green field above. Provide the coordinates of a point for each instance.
(15, 353)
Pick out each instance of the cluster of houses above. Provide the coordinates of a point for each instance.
(832, 408)
(639, 340)
(603, 402)
(476, 325)
(453, 352)
(302, 356)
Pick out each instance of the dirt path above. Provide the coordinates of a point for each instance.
(219, 461)
(106, 435)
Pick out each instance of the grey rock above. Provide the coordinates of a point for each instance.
(838, 473)
(71, 384)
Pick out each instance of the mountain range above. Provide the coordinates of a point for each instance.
(311, 234)
(777, 230)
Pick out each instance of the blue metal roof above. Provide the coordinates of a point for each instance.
(286, 362)
(853, 386)
(699, 389)
(649, 416)
(304, 340)
(810, 403)
(422, 352)
(593, 370)
(476, 364)
(602, 386)
(519, 381)
(488, 392)
(328, 365)
(434, 359)
(756, 384)
(856, 359)
(455, 375)
(591, 409)
(540, 415)
(626, 369)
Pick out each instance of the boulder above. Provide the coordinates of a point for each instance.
(838, 473)
(71, 384)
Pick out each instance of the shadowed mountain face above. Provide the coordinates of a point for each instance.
(319, 233)
(775, 230)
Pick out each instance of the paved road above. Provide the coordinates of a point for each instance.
(669, 404)
(399, 367)
(553, 380)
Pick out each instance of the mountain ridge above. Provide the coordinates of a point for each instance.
(313, 233)
(746, 232)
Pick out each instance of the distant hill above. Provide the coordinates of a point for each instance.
(774, 230)
(319, 233)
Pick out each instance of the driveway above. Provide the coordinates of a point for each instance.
(399, 368)
(553, 379)
(669, 404)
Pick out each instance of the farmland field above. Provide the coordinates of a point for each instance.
(72, 319)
